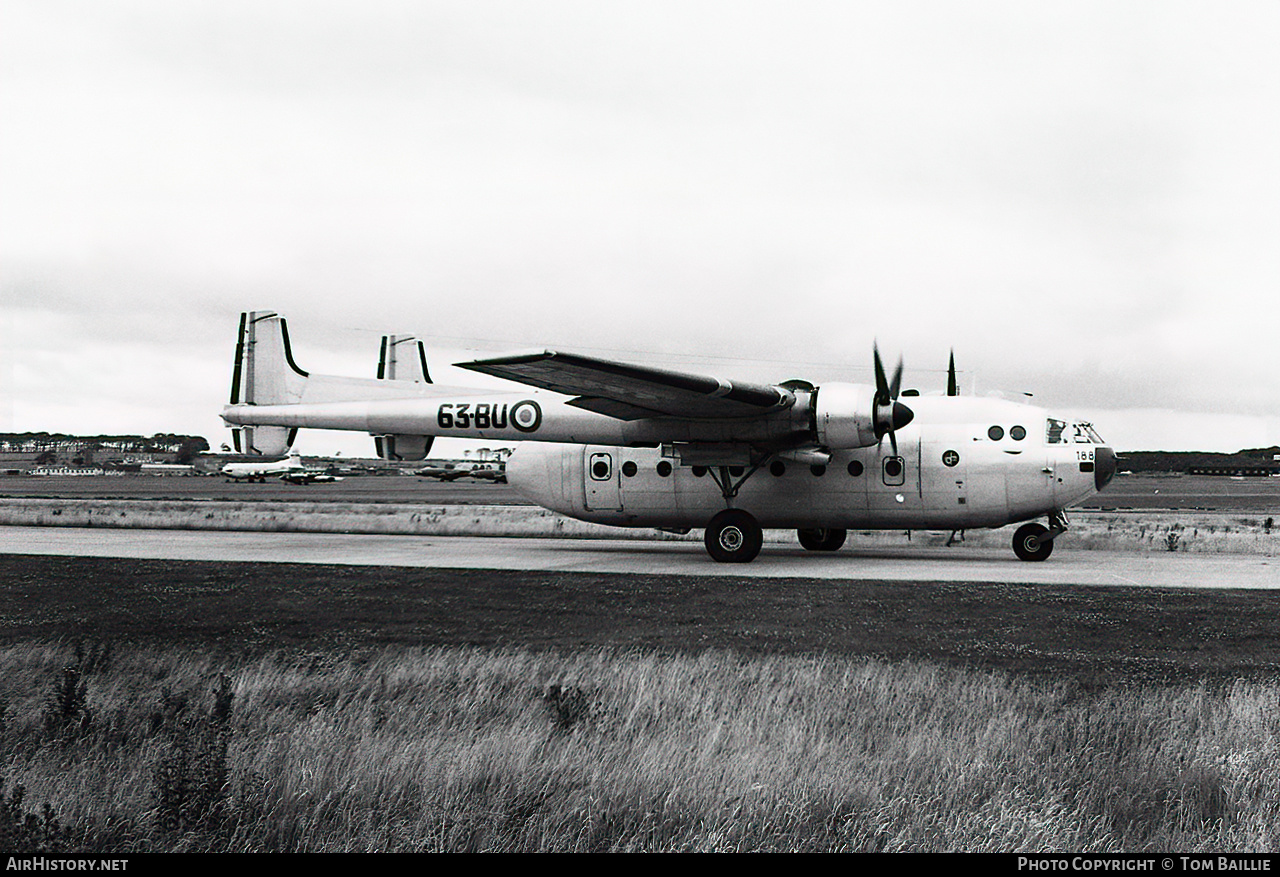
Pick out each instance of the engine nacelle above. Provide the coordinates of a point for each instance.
(845, 416)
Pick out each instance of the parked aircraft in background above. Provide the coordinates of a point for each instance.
(309, 476)
(289, 469)
(260, 472)
(638, 446)
(494, 472)
(447, 472)
(464, 469)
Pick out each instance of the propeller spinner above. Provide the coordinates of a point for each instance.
(888, 414)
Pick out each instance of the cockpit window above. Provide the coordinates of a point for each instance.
(1054, 430)
(1090, 432)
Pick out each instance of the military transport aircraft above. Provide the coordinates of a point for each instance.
(637, 446)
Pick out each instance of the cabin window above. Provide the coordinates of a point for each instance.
(894, 471)
(629, 469)
(995, 433)
(699, 471)
(818, 470)
(601, 467)
(1017, 433)
(855, 468)
(777, 468)
(664, 468)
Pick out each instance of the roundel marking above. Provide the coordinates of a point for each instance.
(526, 416)
(950, 458)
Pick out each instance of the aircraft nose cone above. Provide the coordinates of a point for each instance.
(1104, 468)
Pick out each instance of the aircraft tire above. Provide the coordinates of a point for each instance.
(733, 536)
(1027, 543)
(821, 538)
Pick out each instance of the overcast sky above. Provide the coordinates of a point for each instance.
(1082, 199)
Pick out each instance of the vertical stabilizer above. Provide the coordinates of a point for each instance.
(403, 358)
(264, 374)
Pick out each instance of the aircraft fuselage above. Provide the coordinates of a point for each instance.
(963, 463)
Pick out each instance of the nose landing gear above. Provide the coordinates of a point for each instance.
(1034, 542)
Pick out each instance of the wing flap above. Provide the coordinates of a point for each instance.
(633, 392)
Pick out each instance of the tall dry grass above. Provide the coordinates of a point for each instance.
(470, 749)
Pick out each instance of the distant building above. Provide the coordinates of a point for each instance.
(68, 470)
(1235, 471)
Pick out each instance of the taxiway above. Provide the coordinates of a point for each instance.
(610, 556)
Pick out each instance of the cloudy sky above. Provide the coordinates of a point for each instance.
(1082, 199)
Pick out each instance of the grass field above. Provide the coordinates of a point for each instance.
(247, 707)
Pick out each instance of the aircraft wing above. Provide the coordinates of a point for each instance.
(634, 392)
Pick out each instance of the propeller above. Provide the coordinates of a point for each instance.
(953, 388)
(888, 414)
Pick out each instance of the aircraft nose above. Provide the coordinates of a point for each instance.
(1104, 468)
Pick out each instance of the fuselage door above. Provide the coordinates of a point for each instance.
(600, 480)
(896, 487)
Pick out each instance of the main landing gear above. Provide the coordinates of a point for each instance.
(733, 536)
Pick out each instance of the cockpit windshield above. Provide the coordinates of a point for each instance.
(1089, 434)
(1059, 432)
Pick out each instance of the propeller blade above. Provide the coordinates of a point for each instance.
(953, 388)
(882, 384)
(888, 414)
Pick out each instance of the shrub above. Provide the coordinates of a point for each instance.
(66, 712)
(191, 777)
(22, 832)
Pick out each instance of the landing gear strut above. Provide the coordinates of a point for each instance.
(733, 536)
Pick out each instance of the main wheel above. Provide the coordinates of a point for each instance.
(733, 536)
(821, 538)
(1029, 542)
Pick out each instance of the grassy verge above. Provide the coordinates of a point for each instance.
(301, 707)
(404, 748)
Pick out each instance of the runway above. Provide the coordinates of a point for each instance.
(906, 564)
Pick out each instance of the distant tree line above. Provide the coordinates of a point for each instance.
(1185, 461)
(185, 448)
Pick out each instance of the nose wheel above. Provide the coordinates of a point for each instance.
(1030, 542)
(733, 536)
